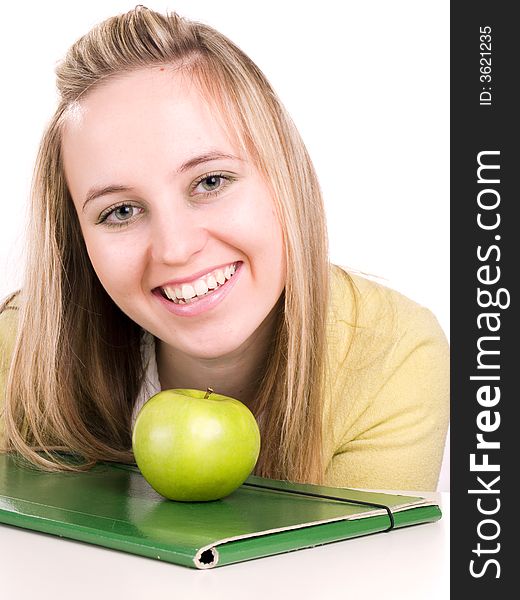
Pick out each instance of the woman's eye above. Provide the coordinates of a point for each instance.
(123, 213)
(211, 184)
(119, 215)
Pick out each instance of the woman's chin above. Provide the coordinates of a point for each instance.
(226, 346)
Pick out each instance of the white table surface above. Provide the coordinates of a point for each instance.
(410, 563)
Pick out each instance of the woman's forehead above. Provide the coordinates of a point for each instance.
(139, 92)
(149, 109)
(144, 129)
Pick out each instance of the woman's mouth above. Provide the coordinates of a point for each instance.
(188, 293)
(201, 294)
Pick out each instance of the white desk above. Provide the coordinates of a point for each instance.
(406, 564)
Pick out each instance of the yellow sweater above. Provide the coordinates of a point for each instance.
(387, 402)
(386, 405)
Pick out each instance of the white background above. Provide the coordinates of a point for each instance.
(367, 84)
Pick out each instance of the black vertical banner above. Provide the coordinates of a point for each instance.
(485, 338)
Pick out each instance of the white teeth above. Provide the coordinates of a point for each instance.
(188, 291)
(200, 287)
(212, 282)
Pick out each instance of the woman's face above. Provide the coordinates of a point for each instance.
(169, 207)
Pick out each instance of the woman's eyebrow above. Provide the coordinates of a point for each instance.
(96, 192)
(206, 157)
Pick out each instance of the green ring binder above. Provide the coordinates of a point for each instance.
(326, 497)
(113, 506)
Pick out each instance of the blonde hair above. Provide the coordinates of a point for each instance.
(77, 366)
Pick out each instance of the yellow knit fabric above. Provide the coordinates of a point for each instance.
(386, 404)
(8, 321)
(387, 398)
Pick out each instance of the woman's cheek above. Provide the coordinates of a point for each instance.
(117, 263)
(252, 225)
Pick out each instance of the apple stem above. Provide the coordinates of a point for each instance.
(209, 391)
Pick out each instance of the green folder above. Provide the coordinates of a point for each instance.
(112, 505)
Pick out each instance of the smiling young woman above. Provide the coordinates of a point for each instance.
(177, 240)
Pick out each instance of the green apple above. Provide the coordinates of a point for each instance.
(192, 445)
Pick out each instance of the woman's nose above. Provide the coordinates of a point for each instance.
(177, 236)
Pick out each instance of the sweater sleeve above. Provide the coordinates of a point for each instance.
(396, 440)
(8, 323)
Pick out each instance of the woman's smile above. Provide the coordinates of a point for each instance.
(188, 298)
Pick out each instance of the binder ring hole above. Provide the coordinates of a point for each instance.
(207, 558)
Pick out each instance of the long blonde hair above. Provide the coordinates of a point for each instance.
(77, 366)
